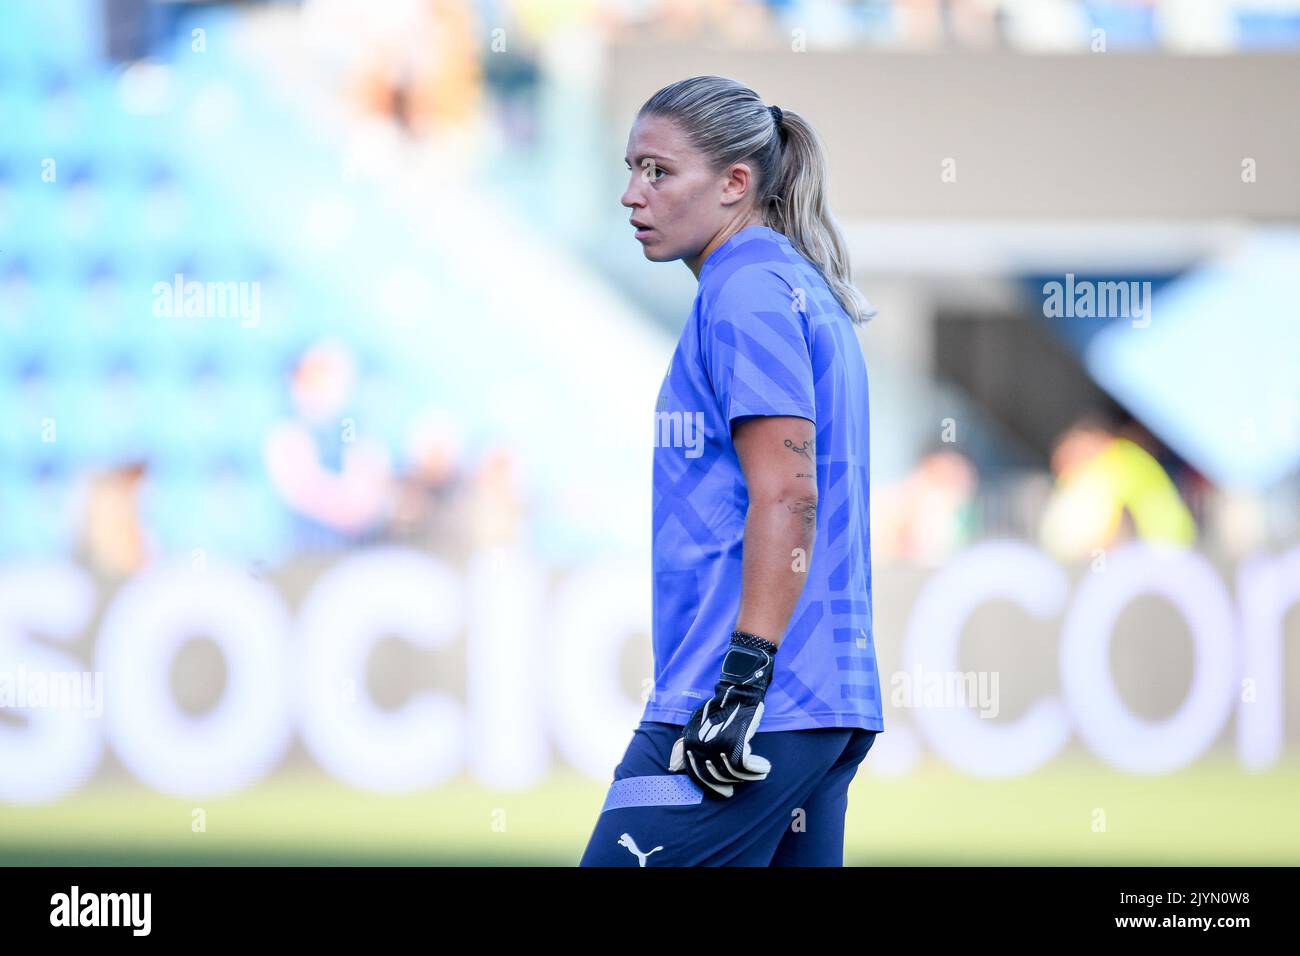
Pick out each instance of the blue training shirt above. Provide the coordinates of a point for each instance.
(766, 336)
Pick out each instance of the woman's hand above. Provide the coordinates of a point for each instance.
(714, 746)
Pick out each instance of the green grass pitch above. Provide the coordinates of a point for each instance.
(1073, 812)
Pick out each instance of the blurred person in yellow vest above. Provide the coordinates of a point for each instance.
(1109, 488)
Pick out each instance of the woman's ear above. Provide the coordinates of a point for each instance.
(737, 184)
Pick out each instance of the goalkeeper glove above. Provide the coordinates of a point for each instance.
(714, 746)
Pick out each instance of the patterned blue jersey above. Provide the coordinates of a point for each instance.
(766, 336)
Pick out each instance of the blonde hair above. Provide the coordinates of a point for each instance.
(728, 122)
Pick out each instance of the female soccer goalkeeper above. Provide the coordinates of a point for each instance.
(761, 535)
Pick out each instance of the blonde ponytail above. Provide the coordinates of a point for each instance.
(728, 123)
(798, 211)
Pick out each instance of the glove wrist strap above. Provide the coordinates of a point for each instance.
(745, 639)
(747, 667)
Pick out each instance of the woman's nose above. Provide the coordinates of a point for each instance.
(632, 195)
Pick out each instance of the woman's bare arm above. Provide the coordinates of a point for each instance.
(778, 456)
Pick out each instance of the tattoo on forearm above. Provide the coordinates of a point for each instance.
(806, 509)
(803, 474)
(806, 449)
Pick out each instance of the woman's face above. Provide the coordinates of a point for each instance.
(683, 205)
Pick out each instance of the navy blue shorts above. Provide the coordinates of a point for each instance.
(795, 817)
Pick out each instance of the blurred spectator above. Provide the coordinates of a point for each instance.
(114, 540)
(324, 468)
(414, 60)
(929, 516)
(1238, 524)
(133, 29)
(1109, 488)
(428, 510)
(950, 23)
(513, 78)
(496, 509)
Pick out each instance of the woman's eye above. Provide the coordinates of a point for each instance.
(647, 169)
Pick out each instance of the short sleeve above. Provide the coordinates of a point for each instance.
(756, 348)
